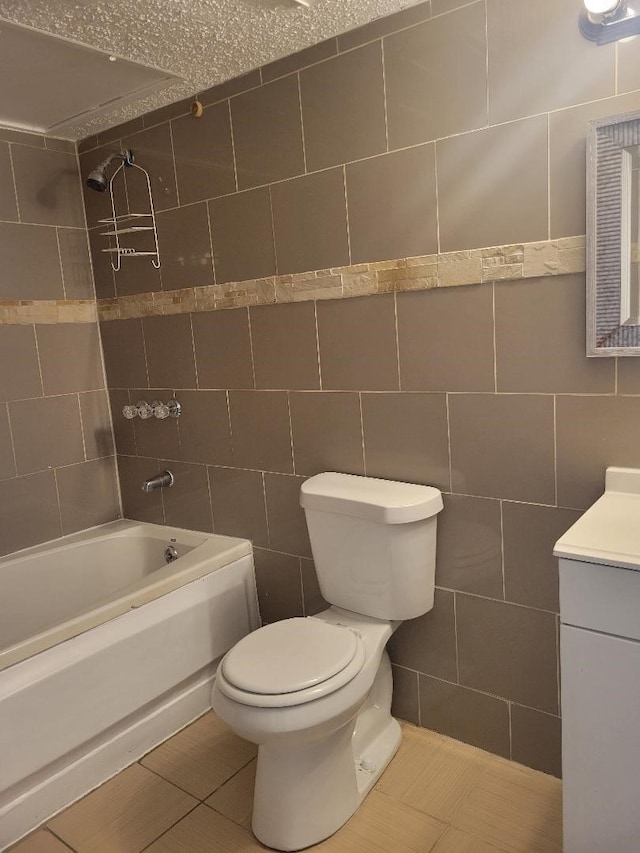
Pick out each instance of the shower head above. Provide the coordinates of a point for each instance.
(97, 178)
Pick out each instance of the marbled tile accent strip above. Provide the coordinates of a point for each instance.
(24, 312)
(451, 269)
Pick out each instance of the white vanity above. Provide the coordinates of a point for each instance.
(600, 670)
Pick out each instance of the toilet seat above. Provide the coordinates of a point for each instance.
(290, 662)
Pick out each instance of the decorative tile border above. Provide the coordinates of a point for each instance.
(24, 312)
(474, 266)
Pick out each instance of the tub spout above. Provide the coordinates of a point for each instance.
(160, 481)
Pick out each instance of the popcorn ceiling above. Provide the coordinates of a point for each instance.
(203, 41)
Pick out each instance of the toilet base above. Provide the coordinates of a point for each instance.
(305, 793)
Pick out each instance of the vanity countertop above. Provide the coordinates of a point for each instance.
(609, 531)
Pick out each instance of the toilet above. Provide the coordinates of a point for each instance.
(314, 693)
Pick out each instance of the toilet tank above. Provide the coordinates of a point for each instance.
(373, 543)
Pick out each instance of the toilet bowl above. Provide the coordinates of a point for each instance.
(314, 693)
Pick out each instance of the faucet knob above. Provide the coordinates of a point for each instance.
(160, 410)
(145, 411)
(130, 412)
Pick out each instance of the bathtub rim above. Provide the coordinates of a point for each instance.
(207, 556)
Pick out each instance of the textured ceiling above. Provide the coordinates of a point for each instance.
(203, 41)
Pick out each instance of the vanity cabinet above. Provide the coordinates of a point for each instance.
(600, 709)
(600, 671)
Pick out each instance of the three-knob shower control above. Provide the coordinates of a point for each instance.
(156, 409)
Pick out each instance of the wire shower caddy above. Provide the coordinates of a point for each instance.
(130, 223)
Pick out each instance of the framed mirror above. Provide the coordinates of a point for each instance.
(613, 236)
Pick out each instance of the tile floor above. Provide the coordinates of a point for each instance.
(193, 794)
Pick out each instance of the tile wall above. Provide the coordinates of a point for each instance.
(444, 128)
(57, 469)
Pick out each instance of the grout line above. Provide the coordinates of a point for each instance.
(164, 510)
(558, 668)
(304, 604)
(15, 184)
(395, 318)
(364, 452)
(555, 451)
(193, 352)
(384, 95)
(448, 413)
(21, 476)
(51, 225)
(495, 339)
(304, 146)
(504, 586)
(496, 600)
(435, 177)
(293, 459)
(486, 65)
(173, 161)
(210, 491)
(548, 167)
(144, 350)
(84, 444)
(482, 692)
(55, 480)
(455, 634)
(315, 314)
(346, 211)
(13, 446)
(213, 254)
(227, 393)
(266, 511)
(233, 144)
(253, 363)
(140, 762)
(35, 338)
(162, 834)
(273, 232)
(64, 289)
(46, 827)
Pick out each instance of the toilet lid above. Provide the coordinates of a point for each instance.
(289, 656)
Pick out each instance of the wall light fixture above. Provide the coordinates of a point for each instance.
(604, 21)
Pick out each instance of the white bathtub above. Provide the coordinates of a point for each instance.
(105, 651)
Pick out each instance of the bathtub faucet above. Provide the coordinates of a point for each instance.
(160, 481)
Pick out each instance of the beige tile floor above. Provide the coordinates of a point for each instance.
(193, 794)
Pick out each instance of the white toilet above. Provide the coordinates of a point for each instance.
(315, 693)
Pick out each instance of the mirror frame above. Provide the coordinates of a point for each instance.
(607, 140)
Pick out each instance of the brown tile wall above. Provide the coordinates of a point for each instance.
(57, 466)
(518, 441)
(450, 126)
(446, 127)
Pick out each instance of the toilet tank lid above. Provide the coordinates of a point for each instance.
(383, 501)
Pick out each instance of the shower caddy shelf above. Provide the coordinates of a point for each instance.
(125, 223)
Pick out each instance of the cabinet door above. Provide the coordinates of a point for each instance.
(601, 742)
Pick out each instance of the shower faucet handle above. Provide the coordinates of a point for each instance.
(145, 411)
(160, 410)
(170, 409)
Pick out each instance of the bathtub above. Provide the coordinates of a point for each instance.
(107, 649)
